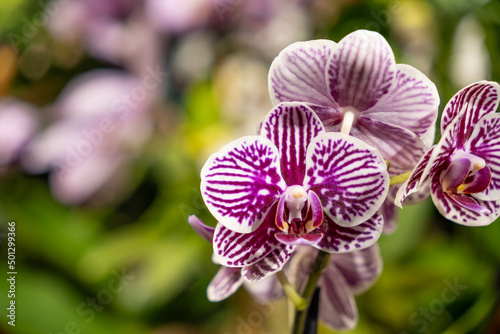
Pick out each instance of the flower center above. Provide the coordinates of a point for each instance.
(466, 174)
(299, 212)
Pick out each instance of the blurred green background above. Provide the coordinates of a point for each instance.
(104, 246)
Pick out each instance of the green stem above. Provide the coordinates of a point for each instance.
(299, 302)
(316, 271)
(400, 178)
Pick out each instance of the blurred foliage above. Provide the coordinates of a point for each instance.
(135, 266)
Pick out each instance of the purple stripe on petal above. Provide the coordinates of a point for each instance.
(205, 231)
(349, 176)
(442, 151)
(241, 182)
(485, 143)
(479, 99)
(361, 70)
(291, 127)
(233, 249)
(412, 103)
(361, 269)
(330, 117)
(413, 183)
(298, 73)
(340, 239)
(467, 203)
(337, 307)
(224, 284)
(462, 212)
(269, 265)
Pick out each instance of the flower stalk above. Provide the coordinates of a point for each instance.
(292, 295)
(317, 269)
(399, 178)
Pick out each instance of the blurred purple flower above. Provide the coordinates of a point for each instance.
(102, 123)
(174, 17)
(463, 168)
(294, 184)
(18, 123)
(116, 31)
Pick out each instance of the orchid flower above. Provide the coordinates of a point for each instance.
(463, 168)
(347, 275)
(18, 123)
(392, 107)
(293, 184)
(100, 129)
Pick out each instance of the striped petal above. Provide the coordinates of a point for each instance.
(361, 70)
(401, 147)
(464, 209)
(435, 161)
(349, 176)
(234, 249)
(241, 182)
(298, 73)
(361, 269)
(300, 265)
(485, 143)
(224, 284)
(269, 265)
(338, 239)
(264, 291)
(412, 103)
(478, 100)
(390, 214)
(291, 127)
(337, 307)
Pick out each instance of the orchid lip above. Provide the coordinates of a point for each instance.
(466, 174)
(306, 239)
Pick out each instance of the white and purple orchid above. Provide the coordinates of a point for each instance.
(463, 168)
(316, 176)
(294, 184)
(393, 107)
